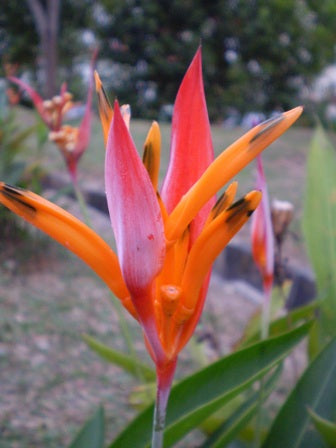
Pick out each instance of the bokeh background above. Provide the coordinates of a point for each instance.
(259, 56)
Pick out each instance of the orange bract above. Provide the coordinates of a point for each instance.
(167, 241)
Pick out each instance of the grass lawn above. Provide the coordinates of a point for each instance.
(50, 381)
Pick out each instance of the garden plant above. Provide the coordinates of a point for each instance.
(167, 240)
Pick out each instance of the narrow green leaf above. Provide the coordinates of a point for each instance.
(253, 328)
(319, 222)
(238, 420)
(92, 433)
(198, 396)
(326, 428)
(315, 390)
(120, 359)
(287, 322)
(16, 143)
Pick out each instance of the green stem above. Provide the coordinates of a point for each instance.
(124, 327)
(82, 204)
(165, 377)
(265, 322)
(265, 314)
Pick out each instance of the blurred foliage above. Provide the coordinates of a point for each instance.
(14, 168)
(20, 43)
(250, 59)
(319, 223)
(258, 54)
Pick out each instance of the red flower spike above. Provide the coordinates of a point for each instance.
(262, 233)
(84, 131)
(35, 97)
(136, 220)
(51, 111)
(191, 150)
(134, 209)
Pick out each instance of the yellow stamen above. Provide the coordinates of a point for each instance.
(66, 138)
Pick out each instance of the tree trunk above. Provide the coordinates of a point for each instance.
(47, 25)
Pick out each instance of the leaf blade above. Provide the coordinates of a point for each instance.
(91, 434)
(120, 359)
(196, 397)
(317, 390)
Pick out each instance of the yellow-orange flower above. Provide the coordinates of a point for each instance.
(166, 241)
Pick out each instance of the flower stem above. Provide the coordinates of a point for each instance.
(82, 204)
(164, 377)
(124, 328)
(265, 322)
(265, 313)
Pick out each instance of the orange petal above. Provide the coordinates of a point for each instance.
(206, 248)
(68, 231)
(223, 202)
(211, 242)
(105, 108)
(226, 166)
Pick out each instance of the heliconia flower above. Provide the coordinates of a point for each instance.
(166, 242)
(262, 233)
(73, 141)
(51, 110)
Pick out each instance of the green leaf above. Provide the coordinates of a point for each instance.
(198, 396)
(326, 428)
(120, 359)
(253, 328)
(287, 322)
(16, 143)
(315, 390)
(319, 223)
(92, 433)
(238, 420)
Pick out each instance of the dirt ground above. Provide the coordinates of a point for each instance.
(50, 380)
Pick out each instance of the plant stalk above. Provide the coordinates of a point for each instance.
(265, 322)
(82, 204)
(164, 375)
(265, 312)
(125, 330)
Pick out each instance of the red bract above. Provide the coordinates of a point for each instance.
(262, 233)
(51, 111)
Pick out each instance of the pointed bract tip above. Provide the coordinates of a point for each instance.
(116, 107)
(197, 59)
(294, 113)
(254, 197)
(97, 81)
